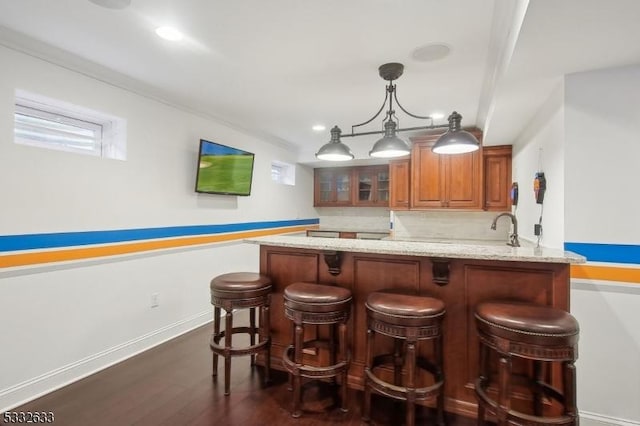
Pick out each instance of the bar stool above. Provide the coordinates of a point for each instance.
(240, 290)
(408, 319)
(308, 303)
(533, 332)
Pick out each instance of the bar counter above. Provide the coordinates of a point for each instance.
(460, 273)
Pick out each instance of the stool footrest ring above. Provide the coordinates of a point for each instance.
(401, 392)
(310, 371)
(247, 350)
(520, 418)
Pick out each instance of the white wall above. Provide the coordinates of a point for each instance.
(602, 122)
(69, 319)
(540, 147)
(585, 139)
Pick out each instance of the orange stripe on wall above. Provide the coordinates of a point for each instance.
(606, 273)
(35, 258)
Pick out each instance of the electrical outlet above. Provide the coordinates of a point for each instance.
(155, 300)
(537, 229)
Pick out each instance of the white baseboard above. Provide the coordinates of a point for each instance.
(594, 419)
(31, 389)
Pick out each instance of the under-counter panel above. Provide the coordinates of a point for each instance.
(468, 282)
(372, 274)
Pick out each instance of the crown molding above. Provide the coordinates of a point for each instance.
(38, 49)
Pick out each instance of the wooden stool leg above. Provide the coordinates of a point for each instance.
(484, 379)
(397, 362)
(366, 410)
(228, 333)
(569, 390)
(216, 332)
(293, 344)
(537, 387)
(333, 348)
(411, 386)
(297, 385)
(252, 332)
(265, 326)
(342, 344)
(439, 377)
(504, 389)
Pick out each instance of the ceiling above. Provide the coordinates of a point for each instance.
(276, 68)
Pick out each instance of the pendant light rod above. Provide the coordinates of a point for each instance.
(372, 118)
(391, 72)
(379, 132)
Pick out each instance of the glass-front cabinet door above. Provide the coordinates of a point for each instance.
(372, 186)
(333, 186)
(365, 187)
(383, 186)
(342, 180)
(324, 182)
(352, 186)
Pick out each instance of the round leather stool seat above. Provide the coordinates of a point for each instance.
(240, 285)
(404, 309)
(316, 298)
(544, 336)
(527, 323)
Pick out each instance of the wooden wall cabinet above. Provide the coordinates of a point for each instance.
(400, 184)
(358, 186)
(497, 177)
(372, 186)
(445, 181)
(333, 187)
(473, 181)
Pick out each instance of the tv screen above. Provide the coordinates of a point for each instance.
(223, 170)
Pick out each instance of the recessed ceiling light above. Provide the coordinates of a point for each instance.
(437, 115)
(318, 128)
(431, 52)
(112, 4)
(169, 33)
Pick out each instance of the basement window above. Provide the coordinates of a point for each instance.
(53, 124)
(283, 173)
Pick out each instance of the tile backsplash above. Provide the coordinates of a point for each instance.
(450, 224)
(354, 218)
(472, 225)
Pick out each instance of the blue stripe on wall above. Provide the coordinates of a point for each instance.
(613, 253)
(65, 239)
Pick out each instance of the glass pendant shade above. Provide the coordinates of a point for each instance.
(335, 150)
(455, 140)
(390, 146)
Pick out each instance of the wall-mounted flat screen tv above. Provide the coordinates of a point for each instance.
(223, 170)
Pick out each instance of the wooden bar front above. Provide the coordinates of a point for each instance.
(459, 283)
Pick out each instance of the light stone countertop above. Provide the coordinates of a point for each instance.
(458, 249)
(351, 229)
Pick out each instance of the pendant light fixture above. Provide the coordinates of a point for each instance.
(390, 145)
(335, 150)
(455, 140)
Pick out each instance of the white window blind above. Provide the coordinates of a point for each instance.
(52, 124)
(41, 128)
(283, 173)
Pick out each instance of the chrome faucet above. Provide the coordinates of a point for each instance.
(513, 238)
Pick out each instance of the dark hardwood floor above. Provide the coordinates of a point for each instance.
(171, 384)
